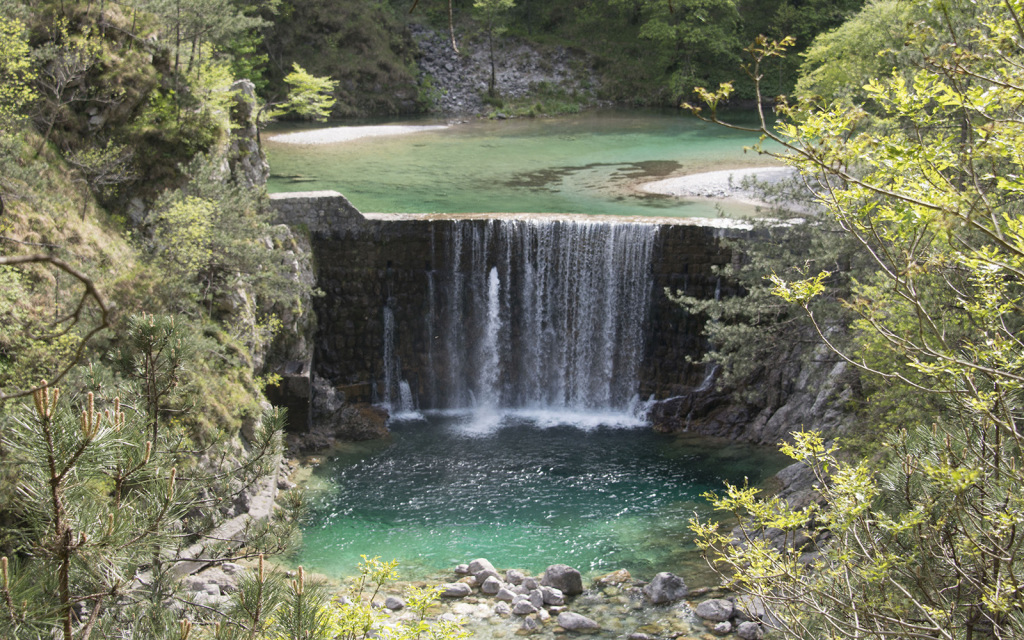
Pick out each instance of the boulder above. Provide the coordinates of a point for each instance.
(514, 576)
(505, 595)
(455, 590)
(564, 578)
(750, 608)
(394, 603)
(481, 564)
(552, 596)
(715, 610)
(214, 581)
(523, 608)
(530, 584)
(483, 576)
(575, 622)
(462, 569)
(666, 587)
(536, 598)
(503, 609)
(722, 628)
(750, 631)
(491, 586)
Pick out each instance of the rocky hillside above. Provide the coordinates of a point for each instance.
(456, 81)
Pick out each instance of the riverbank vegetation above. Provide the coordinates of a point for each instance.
(917, 166)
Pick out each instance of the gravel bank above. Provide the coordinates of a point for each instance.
(717, 184)
(344, 134)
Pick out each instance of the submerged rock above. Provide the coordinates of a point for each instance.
(531, 623)
(564, 578)
(621, 576)
(575, 622)
(665, 587)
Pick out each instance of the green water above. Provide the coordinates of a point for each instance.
(588, 164)
(525, 492)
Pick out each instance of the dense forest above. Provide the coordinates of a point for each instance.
(146, 292)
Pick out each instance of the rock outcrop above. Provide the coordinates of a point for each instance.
(457, 81)
(245, 157)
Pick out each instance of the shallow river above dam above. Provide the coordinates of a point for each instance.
(586, 164)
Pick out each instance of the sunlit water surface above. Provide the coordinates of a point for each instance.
(586, 164)
(525, 491)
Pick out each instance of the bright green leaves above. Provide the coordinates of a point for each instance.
(309, 96)
(921, 167)
(801, 291)
(183, 230)
(268, 607)
(16, 72)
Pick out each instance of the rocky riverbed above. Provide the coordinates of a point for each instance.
(489, 603)
(501, 603)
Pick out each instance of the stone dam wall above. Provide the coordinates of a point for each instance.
(364, 262)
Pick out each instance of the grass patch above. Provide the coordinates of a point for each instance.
(544, 99)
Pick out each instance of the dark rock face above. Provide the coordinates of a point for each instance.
(460, 78)
(245, 157)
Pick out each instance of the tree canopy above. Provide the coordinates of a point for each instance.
(920, 167)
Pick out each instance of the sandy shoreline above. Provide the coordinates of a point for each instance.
(726, 183)
(346, 134)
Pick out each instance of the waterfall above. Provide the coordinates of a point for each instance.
(397, 394)
(489, 356)
(542, 315)
(392, 368)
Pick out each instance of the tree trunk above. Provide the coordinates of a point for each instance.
(490, 43)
